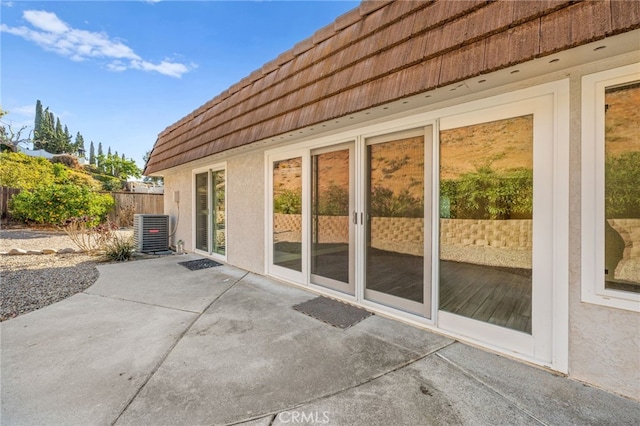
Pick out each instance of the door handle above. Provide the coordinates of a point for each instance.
(355, 217)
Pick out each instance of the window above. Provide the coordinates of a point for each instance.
(287, 213)
(210, 211)
(611, 188)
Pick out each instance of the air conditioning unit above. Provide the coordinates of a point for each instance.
(151, 232)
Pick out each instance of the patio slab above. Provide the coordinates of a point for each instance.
(79, 361)
(264, 357)
(152, 343)
(551, 398)
(163, 282)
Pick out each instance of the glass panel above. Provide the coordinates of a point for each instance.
(202, 211)
(622, 187)
(219, 215)
(486, 204)
(287, 213)
(395, 208)
(330, 215)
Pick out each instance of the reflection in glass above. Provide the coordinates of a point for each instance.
(330, 215)
(395, 229)
(486, 204)
(622, 188)
(202, 211)
(218, 218)
(287, 213)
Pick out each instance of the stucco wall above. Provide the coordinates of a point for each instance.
(181, 212)
(245, 211)
(604, 342)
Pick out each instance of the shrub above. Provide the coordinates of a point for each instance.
(288, 202)
(385, 203)
(67, 160)
(55, 203)
(18, 170)
(488, 194)
(90, 239)
(622, 189)
(119, 248)
(109, 183)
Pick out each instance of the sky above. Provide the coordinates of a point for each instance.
(119, 72)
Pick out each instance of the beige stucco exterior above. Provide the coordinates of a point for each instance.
(604, 342)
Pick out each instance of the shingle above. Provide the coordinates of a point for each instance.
(625, 15)
(368, 58)
(513, 46)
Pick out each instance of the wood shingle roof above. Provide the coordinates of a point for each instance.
(382, 51)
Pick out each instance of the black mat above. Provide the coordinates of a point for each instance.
(332, 312)
(196, 265)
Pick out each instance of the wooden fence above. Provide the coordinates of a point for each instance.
(129, 203)
(126, 205)
(5, 195)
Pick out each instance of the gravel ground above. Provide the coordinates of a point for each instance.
(30, 282)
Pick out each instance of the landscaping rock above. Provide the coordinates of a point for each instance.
(48, 251)
(66, 250)
(34, 252)
(17, 251)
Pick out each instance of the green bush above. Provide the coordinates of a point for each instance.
(385, 203)
(20, 171)
(622, 189)
(55, 203)
(288, 202)
(109, 183)
(488, 194)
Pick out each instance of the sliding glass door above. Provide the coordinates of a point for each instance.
(397, 196)
(210, 212)
(332, 230)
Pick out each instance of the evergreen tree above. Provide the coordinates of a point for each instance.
(68, 147)
(92, 154)
(109, 153)
(79, 145)
(37, 127)
(57, 145)
(100, 157)
(123, 159)
(47, 131)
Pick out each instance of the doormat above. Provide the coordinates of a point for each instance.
(196, 265)
(333, 312)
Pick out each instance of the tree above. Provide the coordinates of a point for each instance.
(92, 154)
(79, 145)
(151, 179)
(69, 148)
(37, 128)
(9, 137)
(46, 131)
(99, 157)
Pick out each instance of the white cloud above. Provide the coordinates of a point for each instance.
(45, 21)
(28, 110)
(54, 35)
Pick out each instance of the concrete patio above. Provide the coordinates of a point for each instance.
(153, 343)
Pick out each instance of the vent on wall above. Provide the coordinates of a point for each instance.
(151, 232)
